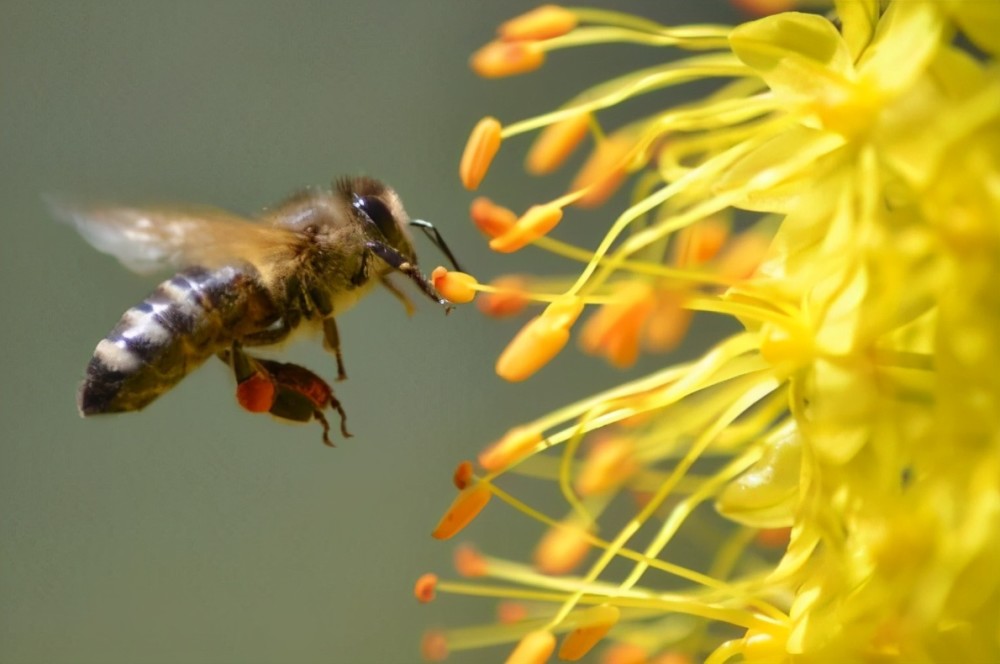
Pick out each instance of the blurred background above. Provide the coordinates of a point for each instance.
(193, 531)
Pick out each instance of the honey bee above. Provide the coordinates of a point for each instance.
(244, 284)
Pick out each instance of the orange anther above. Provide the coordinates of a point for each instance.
(604, 170)
(424, 588)
(743, 255)
(533, 224)
(469, 562)
(624, 653)
(539, 341)
(594, 623)
(510, 612)
(773, 538)
(454, 286)
(462, 477)
(561, 549)
(509, 300)
(514, 445)
(555, 143)
(483, 144)
(491, 219)
(534, 648)
(668, 322)
(463, 510)
(614, 331)
(542, 22)
(434, 646)
(700, 242)
(507, 58)
(609, 464)
(764, 7)
(256, 393)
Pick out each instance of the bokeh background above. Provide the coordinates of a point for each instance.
(195, 532)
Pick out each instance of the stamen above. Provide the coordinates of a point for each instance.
(463, 475)
(610, 463)
(454, 286)
(542, 22)
(483, 144)
(469, 562)
(507, 58)
(593, 623)
(533, 224)
(534, 648)
(424, 588)
(434, 646)
(469, 503)
(515, 444)
(562, 549)
(539, 341)
(556, 143)
(625, 653)
(509, 299)
(510, 612)
(491, 219)
(605, 170)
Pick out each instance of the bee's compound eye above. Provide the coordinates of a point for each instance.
(377, 211)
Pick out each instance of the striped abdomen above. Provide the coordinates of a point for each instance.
(182, 323)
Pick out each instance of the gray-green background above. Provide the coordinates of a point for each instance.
(195, 532)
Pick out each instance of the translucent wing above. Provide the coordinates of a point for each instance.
(150, 239)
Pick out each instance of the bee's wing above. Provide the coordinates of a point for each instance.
(150, 239)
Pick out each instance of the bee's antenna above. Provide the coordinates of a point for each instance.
(435, 236)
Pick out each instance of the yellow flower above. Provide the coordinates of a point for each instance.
(854, 423)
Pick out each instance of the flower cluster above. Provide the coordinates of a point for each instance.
(838, 458)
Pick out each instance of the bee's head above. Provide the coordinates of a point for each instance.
(378, 210)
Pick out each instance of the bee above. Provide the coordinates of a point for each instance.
(246, 284)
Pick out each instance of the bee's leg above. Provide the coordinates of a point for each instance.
(401, 263)
(255, 388)
(331, 341)
(400, 295)
(301, 395)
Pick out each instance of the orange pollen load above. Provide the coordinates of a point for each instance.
(561, 549)
(539, 341)
(454, 286)
(556, 143)
(491, 219)
(463, 475)
(594, 624)
(484, 142)
(469, 503)
(424, 588)
(510, 299)
(515, 445)
(507, 58)
(256, 393)
(533, 224)
(535, 648)
(469, 562)
(543, 22)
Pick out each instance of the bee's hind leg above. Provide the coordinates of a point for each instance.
(331, 342)
(286, 391)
